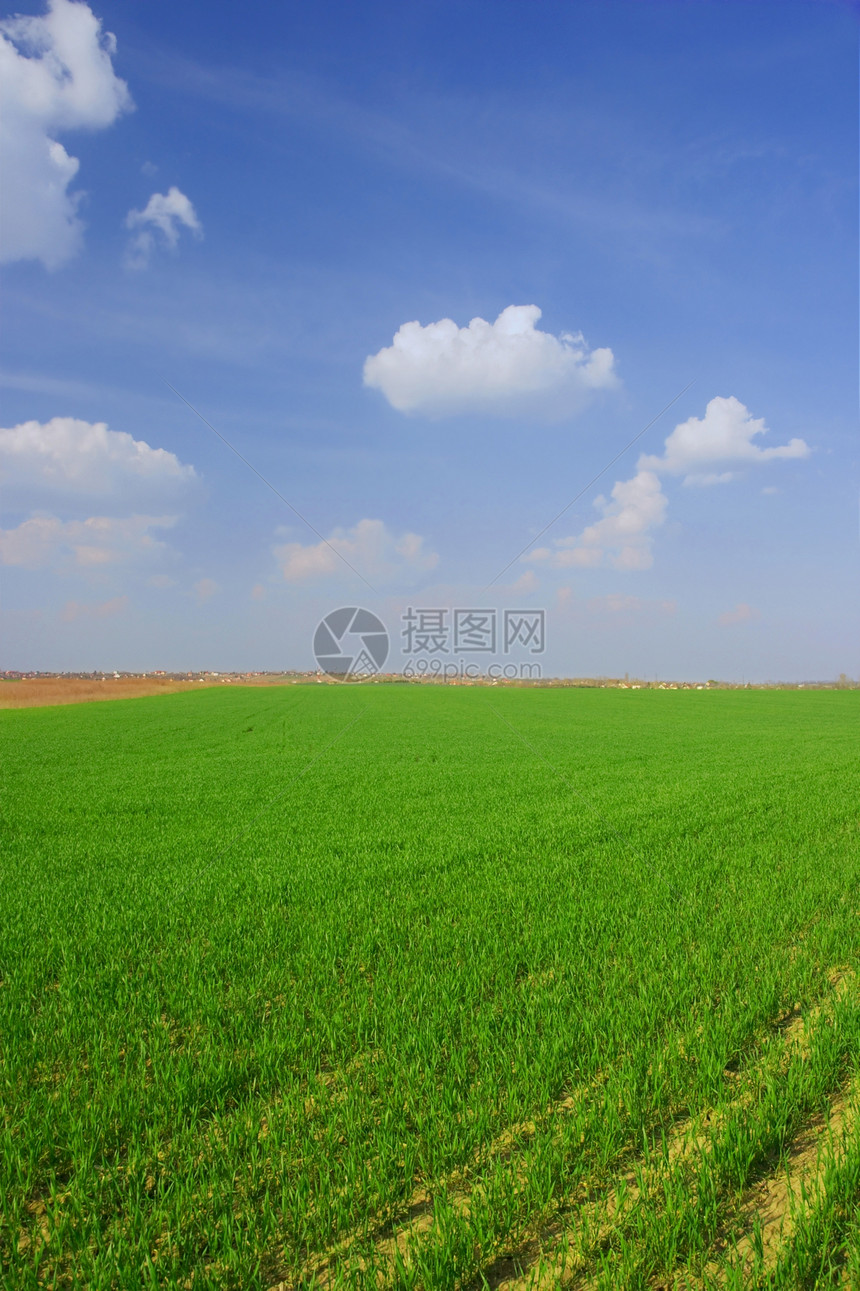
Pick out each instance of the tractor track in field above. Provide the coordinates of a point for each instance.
(601, 1209)
(366, 1060)
(392, 1237)
(771, 1208)
(770, 1199)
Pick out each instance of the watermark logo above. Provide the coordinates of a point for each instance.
(436, 641)
(351, 642)
(443, 644)
(443, 632)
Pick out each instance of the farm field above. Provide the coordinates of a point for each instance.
(425, 987)
(36, 692)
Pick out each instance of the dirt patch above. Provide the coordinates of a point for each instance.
(37, 692)
(770, 1206)
(415, 1218)
(772, 1210)
(553, 1254)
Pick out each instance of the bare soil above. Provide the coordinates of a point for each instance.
(36, 692)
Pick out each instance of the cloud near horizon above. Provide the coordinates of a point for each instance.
(57, 75)
(369, 547)
(90, 544)
(77, 458)
(508, 368)
(623, 539)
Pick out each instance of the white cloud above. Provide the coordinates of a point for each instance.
(369, 548)
(168, 213)
(742, 613)
(622, 538)
(81, 458)
(56, 75)
(725, 434)
(88, 544)
(72, 463)
(508, 368)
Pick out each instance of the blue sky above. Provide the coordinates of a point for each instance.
(273, 195)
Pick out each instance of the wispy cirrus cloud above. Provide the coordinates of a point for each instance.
(417, 135)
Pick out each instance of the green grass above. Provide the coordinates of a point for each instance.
(291, 971)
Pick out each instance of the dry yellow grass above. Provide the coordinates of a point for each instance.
(36, 692)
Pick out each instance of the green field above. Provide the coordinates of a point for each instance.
(431, 987)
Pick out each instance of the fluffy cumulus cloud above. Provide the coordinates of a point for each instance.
(369, 547)
(56, 75)
(724, 436)
(506, 368)
(72, 464)
(622, 538)
(90, 544)
(164, 216)
(81, 458)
